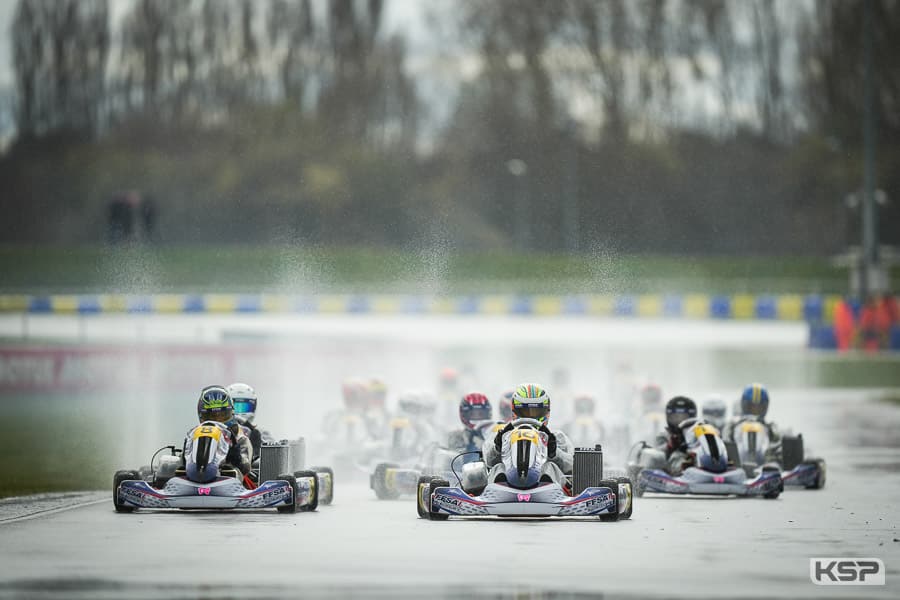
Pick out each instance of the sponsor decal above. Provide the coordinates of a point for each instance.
(523, 497)
(203, 491)
(442, 499)
(719, 479)
(846, 571)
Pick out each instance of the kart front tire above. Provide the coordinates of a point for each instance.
(314, 501)
(325, 499)
(613, 485)
(422, 488)
(379, 482)
(819, 482)
(292, 507)
(433, 485)
(627, 481)
(118, 478)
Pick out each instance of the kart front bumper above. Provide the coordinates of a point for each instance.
(224, 493)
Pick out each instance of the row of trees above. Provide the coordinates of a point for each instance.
(662, 125)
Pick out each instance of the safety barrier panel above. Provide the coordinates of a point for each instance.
(812, 308)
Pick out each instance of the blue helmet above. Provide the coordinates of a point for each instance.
(755, 400)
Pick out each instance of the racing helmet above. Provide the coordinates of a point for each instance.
(678, 409)
(714, 410)
(377, 393)
(755, 400)
(474, 407)
(584, 404)
(353, 393)
(244, 398)
(531, 401)
(411, 403)
(506, 413)
(651, 398)
(215, 404)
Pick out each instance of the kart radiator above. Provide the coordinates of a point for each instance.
(281, 458)
(587, 470)
(274, 460)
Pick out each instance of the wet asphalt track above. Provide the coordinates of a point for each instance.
(361, 547)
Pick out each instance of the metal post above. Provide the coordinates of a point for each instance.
(869, 215)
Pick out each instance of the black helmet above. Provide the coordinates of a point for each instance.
(678, 409)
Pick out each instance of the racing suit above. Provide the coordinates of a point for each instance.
(240, 451)
(773, 452)
(673, 445)
(257, 437)
(559, 454)
(466, 440)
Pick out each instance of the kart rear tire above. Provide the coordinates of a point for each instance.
(774, 493)
(118, 478)
(314, 503)
(627, 513)
(613, 485)
(329, 498)
(819, 482)
(292, 507)
(422, 485)
(378, 484)
(433, 485)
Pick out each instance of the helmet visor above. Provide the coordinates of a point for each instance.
(244, 406)
(222, 415)
(531, 412)
(478, 413)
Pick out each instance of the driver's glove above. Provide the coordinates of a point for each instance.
(551, 440)
(498, 438)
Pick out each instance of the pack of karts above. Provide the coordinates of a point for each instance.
(753, 449)
(197, 477)
(710, 471)
(523, 485)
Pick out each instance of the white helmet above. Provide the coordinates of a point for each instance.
(715, 411)
(245, 400)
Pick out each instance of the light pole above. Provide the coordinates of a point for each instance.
(522, 224)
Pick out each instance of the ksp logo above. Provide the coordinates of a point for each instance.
(846, 571)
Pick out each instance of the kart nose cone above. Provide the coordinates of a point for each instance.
(203, 474)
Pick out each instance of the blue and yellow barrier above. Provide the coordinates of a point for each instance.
(788, 307)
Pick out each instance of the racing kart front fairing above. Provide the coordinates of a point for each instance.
(545, 500)
(699, 481)
(224, 493)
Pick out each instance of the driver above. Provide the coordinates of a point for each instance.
(215, 404)
(474, 413)
(754, 406)
(245, 401)
(672, 442)
(531, 401)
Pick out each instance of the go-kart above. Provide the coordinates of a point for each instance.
(199, 478)
(753, 448)
(522, 485)
(711, 471)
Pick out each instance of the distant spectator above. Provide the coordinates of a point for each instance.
(148, 218)
(844, 325)
(119, 225)
(875, 321)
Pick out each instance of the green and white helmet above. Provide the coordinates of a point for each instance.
(531, 401)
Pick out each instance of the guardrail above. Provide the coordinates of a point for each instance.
(787, 307)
